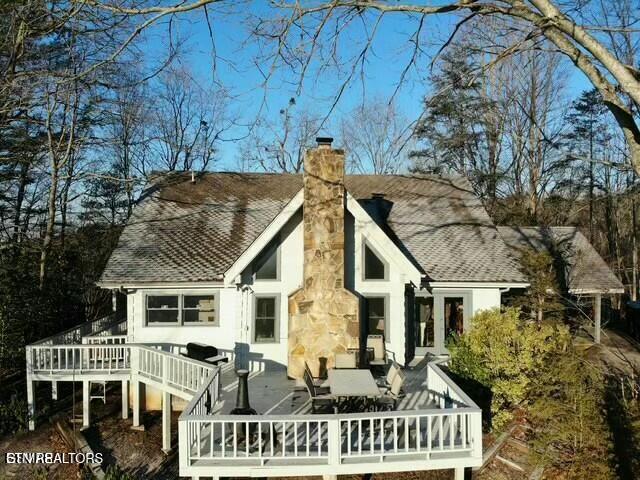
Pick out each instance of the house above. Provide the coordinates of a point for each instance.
(280, 271)
(230, 259)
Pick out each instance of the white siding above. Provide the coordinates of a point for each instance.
(485, 298)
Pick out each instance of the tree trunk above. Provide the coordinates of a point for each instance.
(51, 218)
(22, 187)
(634, 239)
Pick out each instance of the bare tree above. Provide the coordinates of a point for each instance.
(377, 138)
(278, 145)
(319, 32)
(127, 127)
(189, 121)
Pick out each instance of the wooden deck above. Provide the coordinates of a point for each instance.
(272, 393)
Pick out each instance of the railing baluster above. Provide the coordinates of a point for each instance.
(395, 434)
(452, 439)
(406, 434)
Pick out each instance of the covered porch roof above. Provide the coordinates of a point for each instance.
(584, 270)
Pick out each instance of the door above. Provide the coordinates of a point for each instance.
(425, 331)
(452, 315)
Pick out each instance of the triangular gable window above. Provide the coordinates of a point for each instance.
(266, 266)
(374, 268)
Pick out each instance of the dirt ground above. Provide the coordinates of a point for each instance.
(44, 439)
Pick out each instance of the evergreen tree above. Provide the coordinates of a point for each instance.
(454, 130)
(587, 139)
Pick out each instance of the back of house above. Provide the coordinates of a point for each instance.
(296, 268)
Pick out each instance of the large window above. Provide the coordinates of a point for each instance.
(163, 309)
(184, 309)
(376, 314)
(265, 319)
(374, 268)
(266, 266)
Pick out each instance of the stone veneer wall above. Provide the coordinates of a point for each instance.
(323, 315)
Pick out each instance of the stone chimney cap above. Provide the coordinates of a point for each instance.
(324, 142)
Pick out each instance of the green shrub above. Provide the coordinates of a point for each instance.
(503, 352)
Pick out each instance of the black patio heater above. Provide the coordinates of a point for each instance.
(242, 400)
(247, 431)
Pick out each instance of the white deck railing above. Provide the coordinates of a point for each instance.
(184, 376)
(76, 359)
(76, 334)
(269, 445)
(266, 445)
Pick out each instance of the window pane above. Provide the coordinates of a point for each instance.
(199, 316)
(265, 329)
(162, 301)
(373, 266)
(376, 314)
(265, 319)
(267, 265)
(162, 316)
(424, 322)
(202, 302)
(454, 315)
(265, 307)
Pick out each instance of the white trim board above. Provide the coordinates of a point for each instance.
(475, 285)
(161, 285)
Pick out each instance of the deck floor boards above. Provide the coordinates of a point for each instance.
(272, 393)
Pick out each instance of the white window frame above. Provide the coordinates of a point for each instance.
(366, 244)
(387, 311)
(276, 327)
(181, 295)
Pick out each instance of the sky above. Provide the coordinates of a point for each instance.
(236, 71)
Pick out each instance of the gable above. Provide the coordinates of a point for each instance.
(194, 232)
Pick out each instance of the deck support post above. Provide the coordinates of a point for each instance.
(54, 390)
(597, 316)
(458, 474)
(125, 399)
(31, 403)
(31, 399)
(166, 422)
(135, 388)
(86, 386)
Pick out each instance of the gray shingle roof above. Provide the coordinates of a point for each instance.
(442, 226)
(185, 232)
(585, 270)
(191, 232)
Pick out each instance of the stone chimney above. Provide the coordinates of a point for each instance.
(323, 315)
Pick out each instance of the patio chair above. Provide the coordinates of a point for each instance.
(385, 383)
(376, 342)
(390, 400)
(317, 382)
(316, 398)
(346, 360)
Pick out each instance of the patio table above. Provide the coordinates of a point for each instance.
(349, 383)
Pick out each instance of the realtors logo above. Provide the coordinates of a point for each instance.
(51, 457)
